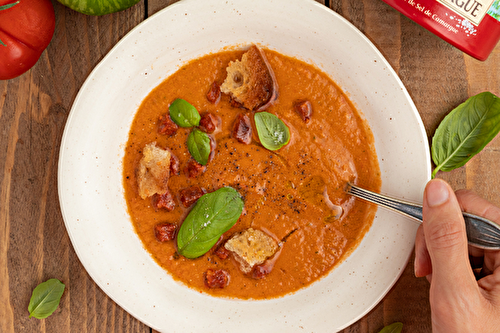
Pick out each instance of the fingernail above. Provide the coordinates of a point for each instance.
(437, 193)
(416, 265)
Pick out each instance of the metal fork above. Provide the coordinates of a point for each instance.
(481, 232)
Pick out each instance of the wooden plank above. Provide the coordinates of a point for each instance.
(384, 33)
(483, 170)
(156, 5)
(34, 245)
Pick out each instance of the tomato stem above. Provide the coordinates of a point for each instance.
(7, 7)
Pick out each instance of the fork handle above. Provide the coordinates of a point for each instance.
(411, 210)
(481, 232)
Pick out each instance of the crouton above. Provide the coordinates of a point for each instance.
(251, 81)
(154, 171)
(251, 247)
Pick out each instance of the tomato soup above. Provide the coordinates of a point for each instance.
(294, 193)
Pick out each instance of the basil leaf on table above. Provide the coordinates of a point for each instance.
(393, 328)
(45, 298)
(199, 146)
(213, 214)
(465, 131)
(272, 131)
(184, 114)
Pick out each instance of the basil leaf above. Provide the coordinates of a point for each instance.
(465, 131)
(183, 113)
(393, 328)
(199, 146)
(213, 214)
(272, 131)
(45, 298)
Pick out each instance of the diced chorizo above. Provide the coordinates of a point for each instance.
(208, 123)
(165, 231)
(222, 252)
(213, 146)
(218, 278)
(304, 109)
(213, 95)
(235, 104)
(242, 129)
(194, 169)
(174, 165)
(190, 195)
(261, 271)
(166, 126)
(164, 201)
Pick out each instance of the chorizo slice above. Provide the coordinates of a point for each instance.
(194, 169)
(166, 126)
(216, 278)
(304, 110)
(174, 165)
(165, 231)
(208, 123)
(242, 129)
(221, 252)
(164, 201)
(213, 94)
(190, 195)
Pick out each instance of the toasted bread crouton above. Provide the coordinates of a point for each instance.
(251, 247)
(154, 171)
(251, 81)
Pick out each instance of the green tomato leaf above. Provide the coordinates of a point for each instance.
(213, 214)
(98, 7)
(184, 114)
(45, 298)
(465, 131)
(392, 328)
(199, 146)
(7, 6)
(272, 131)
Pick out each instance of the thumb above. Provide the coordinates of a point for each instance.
(445, 237)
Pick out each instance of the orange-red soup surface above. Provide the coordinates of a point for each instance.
(288, 193)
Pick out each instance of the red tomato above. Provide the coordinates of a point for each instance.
(26, 29)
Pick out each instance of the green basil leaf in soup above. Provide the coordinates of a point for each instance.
(213, 214)
(393, 328)
(45, 298)
(272, 131)
(184, 114)
(199, 146)
(465, 131)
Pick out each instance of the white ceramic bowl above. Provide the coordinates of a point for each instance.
(90, 165)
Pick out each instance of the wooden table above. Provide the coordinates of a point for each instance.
(34, 244)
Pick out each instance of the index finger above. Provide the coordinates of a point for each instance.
(470, 202)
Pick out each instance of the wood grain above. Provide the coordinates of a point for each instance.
(34, 244)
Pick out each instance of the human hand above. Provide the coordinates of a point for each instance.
(459, 302)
